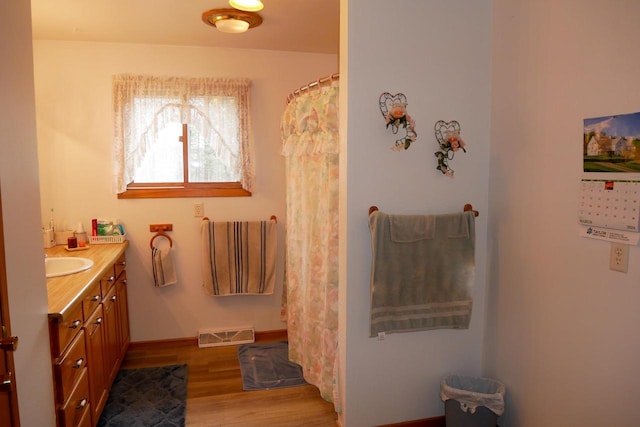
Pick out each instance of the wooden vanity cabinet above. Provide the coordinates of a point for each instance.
(88, 345)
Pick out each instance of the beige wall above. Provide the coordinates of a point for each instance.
(562, 328)
(21, 217)
(74, 119)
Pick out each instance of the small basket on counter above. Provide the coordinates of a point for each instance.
(99, 240)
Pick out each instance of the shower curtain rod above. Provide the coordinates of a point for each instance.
(329, 78)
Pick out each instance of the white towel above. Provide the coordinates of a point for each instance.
(163, 272)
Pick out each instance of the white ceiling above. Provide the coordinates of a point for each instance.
(288, 25)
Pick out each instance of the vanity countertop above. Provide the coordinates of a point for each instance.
(64, 291)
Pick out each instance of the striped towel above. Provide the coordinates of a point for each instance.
(163, 272)
(239, 258)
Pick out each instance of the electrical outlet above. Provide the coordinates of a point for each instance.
(619, 257)
(198, 210)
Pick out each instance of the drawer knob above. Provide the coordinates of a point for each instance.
(95, 298)
(75, 324)
(111, 279)
(78, 364)
(98, 320)
(113, 298)
(82, 404)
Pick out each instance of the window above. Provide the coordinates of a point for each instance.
(181, 137)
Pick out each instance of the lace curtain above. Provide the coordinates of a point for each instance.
(143, 105)
(309, 129)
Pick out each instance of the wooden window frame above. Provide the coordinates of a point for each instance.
(186, 188)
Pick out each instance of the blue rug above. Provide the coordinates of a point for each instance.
(147, 397)
(266, 365)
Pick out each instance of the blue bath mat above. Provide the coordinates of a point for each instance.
(266, 365)
(147, 397)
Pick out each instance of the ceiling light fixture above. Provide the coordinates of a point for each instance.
(231, 20)
(248, 5)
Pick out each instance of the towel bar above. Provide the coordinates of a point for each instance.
(466, 208)
(273, 218)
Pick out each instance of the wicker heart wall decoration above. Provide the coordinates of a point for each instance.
(394, 111)
(449, 140)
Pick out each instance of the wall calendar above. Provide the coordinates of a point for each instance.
(610, 204)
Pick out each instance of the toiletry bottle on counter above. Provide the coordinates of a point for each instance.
(72, 242)
(118, 229)
(80, 234)
(48, 239)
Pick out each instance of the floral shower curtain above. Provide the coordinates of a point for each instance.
(309, 130)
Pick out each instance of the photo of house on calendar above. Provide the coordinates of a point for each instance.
(612, 143)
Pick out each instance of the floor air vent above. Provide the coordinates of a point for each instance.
(231, 336)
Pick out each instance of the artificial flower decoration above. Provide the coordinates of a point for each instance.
(394, 111)
(448, 137)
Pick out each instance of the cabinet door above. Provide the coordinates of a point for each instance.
(112, 348)
(98, 391)
(124, 336)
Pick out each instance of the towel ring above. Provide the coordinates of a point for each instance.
(161, 234)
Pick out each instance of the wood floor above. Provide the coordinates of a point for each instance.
(214, 389)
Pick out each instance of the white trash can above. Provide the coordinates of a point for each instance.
(471, 401)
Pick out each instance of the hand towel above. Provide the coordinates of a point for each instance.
(422, 271)
(163, 272)
(239, 257)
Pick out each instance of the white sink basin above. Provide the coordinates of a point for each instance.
(61, 266)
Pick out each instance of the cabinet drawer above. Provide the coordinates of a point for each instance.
(62, 332)
(75, 408)
(70, 367)
(120, 265)
(85, 421)
(107, 282)
(91, 301)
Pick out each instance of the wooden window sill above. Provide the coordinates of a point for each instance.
(173, 192)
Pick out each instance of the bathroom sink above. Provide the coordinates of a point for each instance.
(61, 266)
